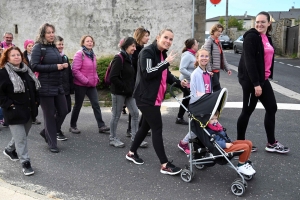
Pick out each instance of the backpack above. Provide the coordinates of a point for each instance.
(107, 73)
(43, 53)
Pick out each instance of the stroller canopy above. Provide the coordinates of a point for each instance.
(204, 108)
(202, 111)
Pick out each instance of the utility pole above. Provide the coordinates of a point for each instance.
(193, 19)
(226, 18)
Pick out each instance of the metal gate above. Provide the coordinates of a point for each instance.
(292, 35)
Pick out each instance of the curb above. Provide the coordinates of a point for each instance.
(11, 192)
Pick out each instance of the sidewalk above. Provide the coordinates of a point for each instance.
(11, 192)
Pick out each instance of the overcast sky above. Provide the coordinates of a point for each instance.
(253, 7)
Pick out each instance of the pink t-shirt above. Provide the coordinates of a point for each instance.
(163, 85)
(206, 80)
(269, 52)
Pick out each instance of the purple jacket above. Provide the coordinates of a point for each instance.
(84, 70)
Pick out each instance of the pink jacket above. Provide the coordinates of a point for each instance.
(84, 70)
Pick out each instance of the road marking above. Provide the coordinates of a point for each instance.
(290, 65)
(281, 63)
(278, 88)
(297, 66)
(280, 106)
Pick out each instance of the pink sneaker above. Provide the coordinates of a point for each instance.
(184, 147)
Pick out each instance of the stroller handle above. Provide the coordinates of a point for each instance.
(171, 90)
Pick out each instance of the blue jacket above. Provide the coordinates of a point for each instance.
(221, 141)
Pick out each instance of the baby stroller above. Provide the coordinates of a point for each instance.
(204, 151)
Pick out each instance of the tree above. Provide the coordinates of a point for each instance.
(234, 22)
(222, 21)
(297, 21)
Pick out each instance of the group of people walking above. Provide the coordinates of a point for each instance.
(139, 76)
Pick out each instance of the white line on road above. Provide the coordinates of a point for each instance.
(281, 63)
(280, 106)
(278, 88)
(297, 66)
(290, 65)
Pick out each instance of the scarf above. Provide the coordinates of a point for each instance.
(192, 51)
(15, 78)
(127, 55)
(87, 52)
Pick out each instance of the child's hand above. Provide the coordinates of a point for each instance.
(228, 145)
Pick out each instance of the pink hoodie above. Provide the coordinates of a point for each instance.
(84, 70)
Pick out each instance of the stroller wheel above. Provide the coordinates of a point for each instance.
(248, 177)
(241, 181)
(238, 188)
(199, 166)
(186, 175)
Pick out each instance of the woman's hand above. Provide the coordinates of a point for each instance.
(229, 72)
(171, 57)
(65, 65)
(184, 83)
(228, 145)
(62, 66)
(258, 91)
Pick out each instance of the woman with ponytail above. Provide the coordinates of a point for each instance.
(255, 68)
(186, 68)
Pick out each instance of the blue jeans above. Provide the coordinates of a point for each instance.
(91, 92)
(117, 106)
(1, 114)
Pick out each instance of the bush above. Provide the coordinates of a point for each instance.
(102, 65)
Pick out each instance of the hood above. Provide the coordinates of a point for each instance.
(252, 30)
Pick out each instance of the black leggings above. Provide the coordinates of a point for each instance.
(185, 102)
(267, 98)
(216, 81)
(151, 119)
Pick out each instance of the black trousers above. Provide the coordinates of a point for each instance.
(54, 112)
(267, 99)
(216, 81)
(185, 102)
(151, 119)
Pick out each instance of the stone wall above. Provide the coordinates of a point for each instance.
(106, 20)
(279, 37)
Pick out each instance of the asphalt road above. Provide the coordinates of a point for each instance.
(88, 168)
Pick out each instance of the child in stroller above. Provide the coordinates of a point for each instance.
(221, 138)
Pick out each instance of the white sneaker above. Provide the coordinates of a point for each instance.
(251, 168)
(116, 142)
(246, 169)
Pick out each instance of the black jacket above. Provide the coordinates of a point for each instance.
(135, 56)
(25, 104)
(49, 76)
(26, 59)
(122, 75)
(149, 75)
(67, 77)
(252, 63)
